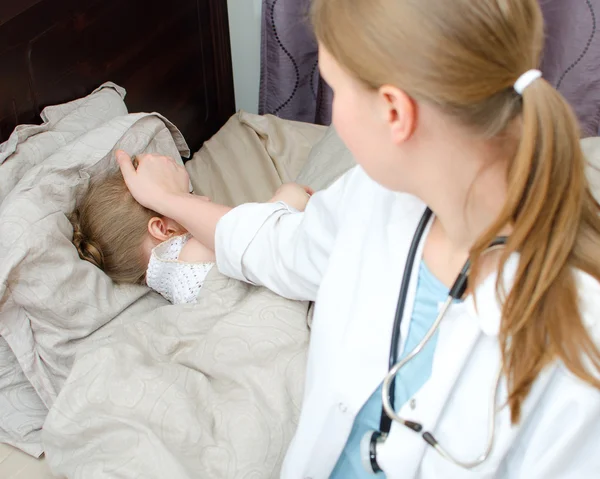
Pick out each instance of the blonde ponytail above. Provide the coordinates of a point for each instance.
(464, 57)
(549, 207)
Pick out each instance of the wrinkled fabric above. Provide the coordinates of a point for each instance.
(291, 86)
(206, 390)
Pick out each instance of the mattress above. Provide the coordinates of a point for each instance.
(15, 464)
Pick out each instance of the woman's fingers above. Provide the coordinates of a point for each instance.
(126, 165)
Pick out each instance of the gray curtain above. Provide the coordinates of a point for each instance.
(572, 56)
(290, 85)
(292, 88)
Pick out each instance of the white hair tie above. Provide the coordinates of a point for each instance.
(526, 79)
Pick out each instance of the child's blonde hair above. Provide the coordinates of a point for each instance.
(109, 228)
(464, 56)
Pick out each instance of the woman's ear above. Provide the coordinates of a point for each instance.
(400, 112)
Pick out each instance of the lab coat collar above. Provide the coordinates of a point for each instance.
(489, 309)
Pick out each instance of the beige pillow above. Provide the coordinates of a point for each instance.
(53, 304)
(250, 157)
(328, 160)
(591, 149)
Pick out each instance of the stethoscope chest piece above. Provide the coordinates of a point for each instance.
(368, 450)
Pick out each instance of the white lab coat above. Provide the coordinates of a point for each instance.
(347, 251)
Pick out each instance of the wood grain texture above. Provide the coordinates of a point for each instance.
(172, 57)
(10, 9)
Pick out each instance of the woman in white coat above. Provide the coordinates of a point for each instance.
(439, 104)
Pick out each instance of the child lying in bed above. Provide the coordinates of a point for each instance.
(133, 244)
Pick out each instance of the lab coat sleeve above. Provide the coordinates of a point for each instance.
(565, 442)
(277, 247)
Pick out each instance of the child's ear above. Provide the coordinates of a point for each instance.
(163, 228)
(173, 228)
(158, 229)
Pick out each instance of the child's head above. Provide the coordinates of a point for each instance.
(115, 233)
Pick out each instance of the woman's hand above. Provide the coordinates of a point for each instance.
(294, 195)
(156, 181)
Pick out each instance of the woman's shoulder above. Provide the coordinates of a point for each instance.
(568, 389)
(358, 181)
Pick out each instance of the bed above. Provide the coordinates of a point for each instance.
(125, 384)
(173, 59)
(80, 79)
(212, 389)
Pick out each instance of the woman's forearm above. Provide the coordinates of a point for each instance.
(198, 216)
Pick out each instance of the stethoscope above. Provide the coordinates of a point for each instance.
(373, 439)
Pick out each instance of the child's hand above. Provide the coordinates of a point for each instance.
(294, 195)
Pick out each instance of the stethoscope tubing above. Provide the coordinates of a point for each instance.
(388, 414)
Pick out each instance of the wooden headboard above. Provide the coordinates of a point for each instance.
(172, 57)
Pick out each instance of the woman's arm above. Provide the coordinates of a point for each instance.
(292, 194)
(563, 436)
(268, 244)
(161, 185)
(198, 216)
(195, 252)
(282, 249)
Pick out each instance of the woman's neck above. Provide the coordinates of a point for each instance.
(466, 193)
(465, 214)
